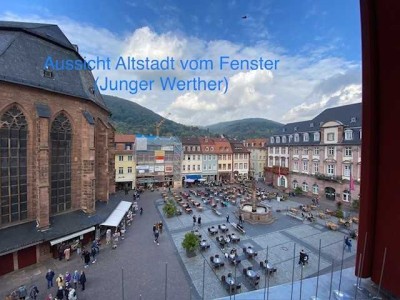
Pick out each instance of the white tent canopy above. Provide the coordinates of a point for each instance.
(118, 214)
(71, 236)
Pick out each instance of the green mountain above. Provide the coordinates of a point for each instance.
(131, 118)
(246, 128)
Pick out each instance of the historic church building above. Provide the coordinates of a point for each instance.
(56, 143)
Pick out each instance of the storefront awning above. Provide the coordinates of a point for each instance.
(71, 236)
(189, 180)
(118, 214)
(192, 176)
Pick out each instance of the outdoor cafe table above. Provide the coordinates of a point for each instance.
(251, 273)
(197, 233)
(203, 244)
(217, 260)
(234, 237)
(213, 230)
(250, 251)
(223, 227)
(230, 280)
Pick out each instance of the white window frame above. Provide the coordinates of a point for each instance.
(120, 158)
(316, 136)
(346, 170)
(295, 184)
(316, 167)
(348, 151)
(331, 150)
(304, 187)
(305, 165)
(278, 139)
(129, 170)
(284, 139)
(296, 137)
(329, 168)
(295, 166)
(315, 189)
(330, 137)
(305, 137)
(272, 140)
(348, 135)
(316, 151)
(121, 170)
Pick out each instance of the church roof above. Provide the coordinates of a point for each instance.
(24, 48)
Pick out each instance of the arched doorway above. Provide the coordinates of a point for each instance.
(330, 193)
(282, 181)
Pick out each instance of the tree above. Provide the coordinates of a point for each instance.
(169, 209)
(190, 243)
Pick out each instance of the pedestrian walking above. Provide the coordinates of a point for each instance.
(60, 293)
(141, 209)
(72, 294)
(199, 221)
(66, 290)
(156, 235)
(347, 243)
(160, 226)
(93, 253)
(49, 277)
(34, 292)
(22, 292)
(67, 253)
(194, 220)
(49, 297)
(240, 219)
(67, 278)
(86, 257)
(227, 218)
(75, 278)
(82, 280)
(60, 281)
(108, 236)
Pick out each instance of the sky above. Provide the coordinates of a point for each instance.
(317, 43)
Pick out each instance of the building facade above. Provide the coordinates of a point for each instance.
(192, 160)
(225, 162)
(241, 161)
(210, 159)
(158, 161)
(321, 156)
(258, 157)
(57, 145)
(125, 166)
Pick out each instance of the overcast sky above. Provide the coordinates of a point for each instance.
(318, 44)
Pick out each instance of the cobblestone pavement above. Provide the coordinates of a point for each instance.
(143, 263)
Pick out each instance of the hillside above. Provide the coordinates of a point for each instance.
(131, 118)
(246, 128)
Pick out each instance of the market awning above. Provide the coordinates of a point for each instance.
(118, 214)
(71, 236)
(189, 180)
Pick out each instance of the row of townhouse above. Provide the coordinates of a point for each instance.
(214, 159)
(258, 156)
(321, 156)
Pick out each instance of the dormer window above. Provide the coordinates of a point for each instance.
(296, 137)
(284, 129)
(353, 119)
(272, 140)
(47, 72)
(311, 124)
(348, 135)
(206, 148)
(290, 138)
(305, 137)
(284, 139)
(316, 136)
(278, 139)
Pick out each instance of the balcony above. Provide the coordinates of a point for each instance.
(325, 177)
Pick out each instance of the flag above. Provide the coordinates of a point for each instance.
(351, 181)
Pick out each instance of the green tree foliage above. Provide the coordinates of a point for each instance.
(169, 209)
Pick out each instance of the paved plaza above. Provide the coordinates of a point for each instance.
(282, 239)
(137, 268)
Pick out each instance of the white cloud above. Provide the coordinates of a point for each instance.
(301, 87)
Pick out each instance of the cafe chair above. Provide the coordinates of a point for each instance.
(222, 264)
(245, 271)
(255, 253)
(244, 250)
(229, 274)
(250, 268)
(262, 265)
(238, 286)
(223, 278)
(212, 259)
(216, 255)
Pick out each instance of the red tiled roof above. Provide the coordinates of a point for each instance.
(124, 138)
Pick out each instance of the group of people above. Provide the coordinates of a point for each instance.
(196, 220)
(66, 285)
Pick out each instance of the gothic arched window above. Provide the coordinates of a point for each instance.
(13, 166)
(60, 137)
